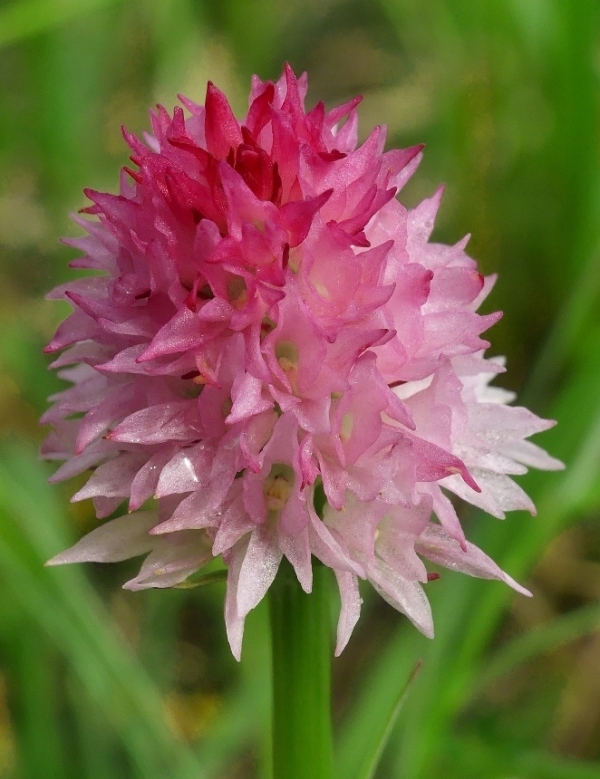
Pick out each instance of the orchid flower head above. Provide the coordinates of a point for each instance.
(269, 324)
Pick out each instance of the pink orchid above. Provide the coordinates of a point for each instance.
(271, 323)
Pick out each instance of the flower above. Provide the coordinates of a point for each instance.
(270, 330)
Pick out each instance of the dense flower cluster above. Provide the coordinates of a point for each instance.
(270, 324)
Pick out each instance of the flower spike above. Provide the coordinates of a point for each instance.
(271, 327)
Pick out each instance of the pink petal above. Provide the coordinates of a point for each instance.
(439, 547)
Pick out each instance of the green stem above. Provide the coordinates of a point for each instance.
(301, 647)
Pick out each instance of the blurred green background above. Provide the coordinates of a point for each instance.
(98, 682)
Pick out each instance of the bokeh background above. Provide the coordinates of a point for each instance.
(98, 682)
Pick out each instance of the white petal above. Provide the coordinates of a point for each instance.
(172, 560)
(297, 551)
(446, 513)
(234, 623)
(486, 459)
(507, 493)
(529, 454)
(404, 595)
(498, 493)
(112, 542)
(324, 546)
(258, 570)
(349, 610)
(498, 423)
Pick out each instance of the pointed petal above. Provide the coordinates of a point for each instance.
(439, 547)
(350, 608)
(112, 542)
(257, 571)
(406, 596)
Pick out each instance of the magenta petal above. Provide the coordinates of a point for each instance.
(296, 217)
(222, 130)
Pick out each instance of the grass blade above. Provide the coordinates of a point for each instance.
(386, 721)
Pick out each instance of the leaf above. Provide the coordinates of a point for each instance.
(528, 646)
(371, 721)
(75, 621)
(367, 771)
